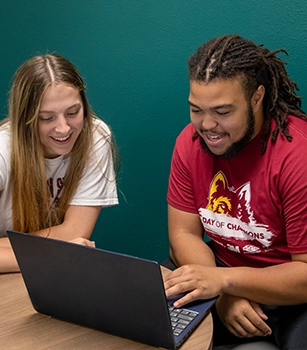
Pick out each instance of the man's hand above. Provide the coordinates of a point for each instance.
(242, 317)
(199, 281)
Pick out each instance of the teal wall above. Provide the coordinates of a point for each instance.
(132, 54)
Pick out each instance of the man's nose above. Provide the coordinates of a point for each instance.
(208, 122)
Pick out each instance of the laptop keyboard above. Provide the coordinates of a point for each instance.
(180, 319)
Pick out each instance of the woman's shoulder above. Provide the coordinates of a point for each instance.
(101, 128)
(5, 147)
(5, 135)
(102, 134)
(5, 128)
(99, 123)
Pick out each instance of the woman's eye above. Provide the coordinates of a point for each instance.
(46, 119)
(72, 113)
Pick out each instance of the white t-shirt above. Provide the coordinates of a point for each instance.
(97, 186)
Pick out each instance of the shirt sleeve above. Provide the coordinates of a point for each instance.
(292, 186)
(5, 156)
(97, 186)
(180, 193)
(3, 172)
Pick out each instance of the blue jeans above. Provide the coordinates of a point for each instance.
(288, 324)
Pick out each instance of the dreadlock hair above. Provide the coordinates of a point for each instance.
(232, 56)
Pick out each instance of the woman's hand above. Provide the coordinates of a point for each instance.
(83, 241)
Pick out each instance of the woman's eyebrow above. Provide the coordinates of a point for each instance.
(75, 105)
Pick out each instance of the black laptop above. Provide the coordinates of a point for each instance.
(111, 292)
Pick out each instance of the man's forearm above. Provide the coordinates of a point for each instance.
(191, 250)
(283, 284)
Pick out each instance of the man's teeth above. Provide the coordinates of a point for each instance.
(215, 137)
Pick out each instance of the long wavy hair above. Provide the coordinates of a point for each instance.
(31, 209)
(233, 56)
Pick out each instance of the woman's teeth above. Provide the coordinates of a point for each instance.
(61, 138)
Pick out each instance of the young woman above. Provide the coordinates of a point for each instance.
(56, 157)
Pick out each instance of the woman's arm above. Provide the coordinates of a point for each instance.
(8, 261)
(79, 222)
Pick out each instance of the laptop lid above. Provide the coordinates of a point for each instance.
(111, 292)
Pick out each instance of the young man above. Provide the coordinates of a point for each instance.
(238, 173)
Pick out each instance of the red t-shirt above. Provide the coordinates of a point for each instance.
(252, 206)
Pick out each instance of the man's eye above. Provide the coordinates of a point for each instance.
(194, 110)
(222, 113)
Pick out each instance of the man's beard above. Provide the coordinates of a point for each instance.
(237, 146)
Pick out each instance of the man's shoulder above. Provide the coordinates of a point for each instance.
(188, 129)
(185, 141)
(186, 135)
(297, 127)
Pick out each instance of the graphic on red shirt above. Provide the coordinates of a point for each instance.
(228, 217)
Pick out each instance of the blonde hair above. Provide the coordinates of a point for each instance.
(31, 210)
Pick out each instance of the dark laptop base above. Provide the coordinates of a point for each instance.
(114, 293)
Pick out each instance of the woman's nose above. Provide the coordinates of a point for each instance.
(62, 125)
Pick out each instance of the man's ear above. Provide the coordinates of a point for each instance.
(257, 98)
